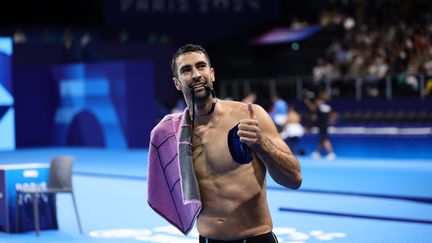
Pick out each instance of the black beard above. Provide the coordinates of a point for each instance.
(201, 96)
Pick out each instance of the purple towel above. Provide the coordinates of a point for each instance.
(173, 190)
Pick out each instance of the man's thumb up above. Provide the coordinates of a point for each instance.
(251, 111)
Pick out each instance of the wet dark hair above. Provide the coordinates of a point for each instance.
(188, 48)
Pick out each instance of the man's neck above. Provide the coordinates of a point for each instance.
(203, 110)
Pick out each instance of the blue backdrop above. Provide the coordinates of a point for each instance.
(106, 104)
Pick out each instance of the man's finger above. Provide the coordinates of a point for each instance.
(251, 111)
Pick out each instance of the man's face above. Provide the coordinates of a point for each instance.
(193, 73)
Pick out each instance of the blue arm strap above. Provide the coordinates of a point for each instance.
(240, 152)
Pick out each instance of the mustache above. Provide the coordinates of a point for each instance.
(199, 81)
(192, 85)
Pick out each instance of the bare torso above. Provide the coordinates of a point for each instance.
(233, 195)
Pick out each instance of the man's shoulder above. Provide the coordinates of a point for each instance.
(232, 103)
(235, 104)
(240, 107)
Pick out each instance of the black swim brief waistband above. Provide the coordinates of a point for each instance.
(264, 238)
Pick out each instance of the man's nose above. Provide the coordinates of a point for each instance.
(196, 76)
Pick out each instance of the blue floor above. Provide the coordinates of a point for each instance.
(346, 200)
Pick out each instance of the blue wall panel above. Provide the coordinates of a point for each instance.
(7, 112)
(105, 104)
(117, 98)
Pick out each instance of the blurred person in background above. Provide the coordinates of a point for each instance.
(278, 111)
(321, 116)
(232, 190)
(292, 130)
(19, 37)
(86, 39)
(68, 38)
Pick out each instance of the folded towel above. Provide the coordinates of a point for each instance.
(173, 190)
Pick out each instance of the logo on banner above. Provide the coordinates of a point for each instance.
(24, 198)
(187, 6)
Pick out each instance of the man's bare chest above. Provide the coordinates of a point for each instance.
(210, 149)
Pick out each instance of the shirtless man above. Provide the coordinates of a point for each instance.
(233, 195)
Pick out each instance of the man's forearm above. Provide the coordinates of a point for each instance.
(282, 165)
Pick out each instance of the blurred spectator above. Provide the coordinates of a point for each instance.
(321, 71)
(72, 47)
(375, 74)
(19, 37)
(86, 38)
(292, 130)
(278, 111)
(331, 17)
(428, 89)
(68, 38)
(377, 69)
(86, 52)
(378, 39)
(321, 112)
(428, 66)
(299, 23)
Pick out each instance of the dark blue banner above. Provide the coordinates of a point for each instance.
(189, 20)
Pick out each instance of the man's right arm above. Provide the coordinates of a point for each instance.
(260, 134)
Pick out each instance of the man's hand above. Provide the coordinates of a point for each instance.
(249, 130)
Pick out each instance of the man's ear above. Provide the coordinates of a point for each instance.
(212, 73)
(177, 83)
